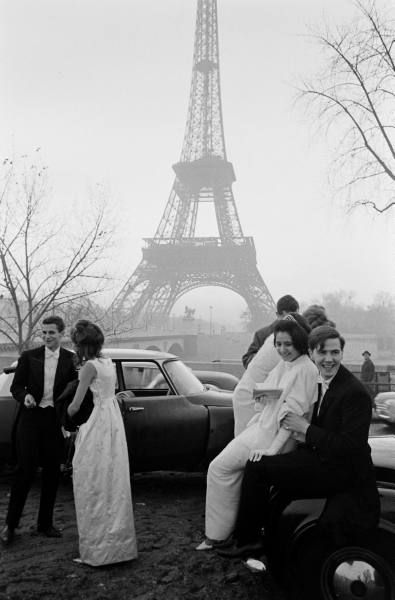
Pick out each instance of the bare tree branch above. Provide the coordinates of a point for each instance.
(43, 269)
(355, 98)
(374, 206)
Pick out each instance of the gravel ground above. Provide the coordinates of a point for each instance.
(169, 514)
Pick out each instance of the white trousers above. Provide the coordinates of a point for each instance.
(224, 478)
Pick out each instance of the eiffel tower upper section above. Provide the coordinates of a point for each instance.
(203, 173)
(176, 260)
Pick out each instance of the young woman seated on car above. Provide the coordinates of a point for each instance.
(295, 378)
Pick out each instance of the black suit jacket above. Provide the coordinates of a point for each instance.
(258, 340)
(339, 434)
(29, 374)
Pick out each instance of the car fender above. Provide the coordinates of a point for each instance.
(319, 570)
(384, 404)
(221, 430)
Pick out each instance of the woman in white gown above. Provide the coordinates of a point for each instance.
(296, 377)
(101, 476)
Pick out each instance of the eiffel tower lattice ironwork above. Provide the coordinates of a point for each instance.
(175, 260)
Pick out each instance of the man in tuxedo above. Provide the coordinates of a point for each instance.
(332, 460)
(285, 305)
(41, 375)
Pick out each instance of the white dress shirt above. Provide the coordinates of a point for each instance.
(50, 366)
(324, 388)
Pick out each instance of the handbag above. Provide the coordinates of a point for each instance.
(63, 401)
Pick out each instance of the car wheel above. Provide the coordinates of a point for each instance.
(353, 573)
(317, 571)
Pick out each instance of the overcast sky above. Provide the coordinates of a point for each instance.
(102, 86)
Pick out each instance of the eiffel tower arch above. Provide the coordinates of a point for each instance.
(175, 260)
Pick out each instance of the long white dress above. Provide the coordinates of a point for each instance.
(298, 380)
(258, 369)
(101, 477)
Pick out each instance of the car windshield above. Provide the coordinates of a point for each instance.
(182, 377)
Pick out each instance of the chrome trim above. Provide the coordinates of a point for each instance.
(354, 573)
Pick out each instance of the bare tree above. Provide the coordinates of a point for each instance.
(355, 100)
(46, 262)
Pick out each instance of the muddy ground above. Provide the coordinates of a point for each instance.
(169, 515)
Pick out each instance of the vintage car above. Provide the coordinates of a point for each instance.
(384, 407)
(310, 568)
(172, 420)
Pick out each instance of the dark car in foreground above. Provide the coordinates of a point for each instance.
(173, 421)
(310, 568)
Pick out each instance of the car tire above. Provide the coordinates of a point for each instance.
(354, 572)
(317, 570)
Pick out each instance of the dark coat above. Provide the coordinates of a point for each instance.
(63, 401)
(339, 436)
(258, 340)
(29, 374)
(367, 370)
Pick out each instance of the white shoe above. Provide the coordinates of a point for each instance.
(78, 560)
(256, 566)
(205, 545)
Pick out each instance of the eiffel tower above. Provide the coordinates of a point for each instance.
(175, 261)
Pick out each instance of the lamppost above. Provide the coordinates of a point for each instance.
(211, 320)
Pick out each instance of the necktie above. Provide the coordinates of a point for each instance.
(317, 404)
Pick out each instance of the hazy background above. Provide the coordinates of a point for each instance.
(102, 87)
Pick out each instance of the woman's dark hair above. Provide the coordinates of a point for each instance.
(315, 315)
(298, 329)
(88, 339)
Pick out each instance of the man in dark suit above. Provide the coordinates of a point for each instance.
(41, 375)
(285, 305)
(333, 459)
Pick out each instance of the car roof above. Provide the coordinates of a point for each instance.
(136, 354)
(121, 354)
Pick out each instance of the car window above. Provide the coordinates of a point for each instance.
(184, 380)
(143, 375)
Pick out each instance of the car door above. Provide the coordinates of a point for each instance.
(164, 430)
(8, 412)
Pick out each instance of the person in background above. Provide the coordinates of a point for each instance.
(101, 476)
(285, 305)
(368, 372)
(41, 375)
(316, 316)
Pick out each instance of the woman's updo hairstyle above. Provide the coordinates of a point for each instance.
(88, 339)
(297, 328)
(315, 315)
